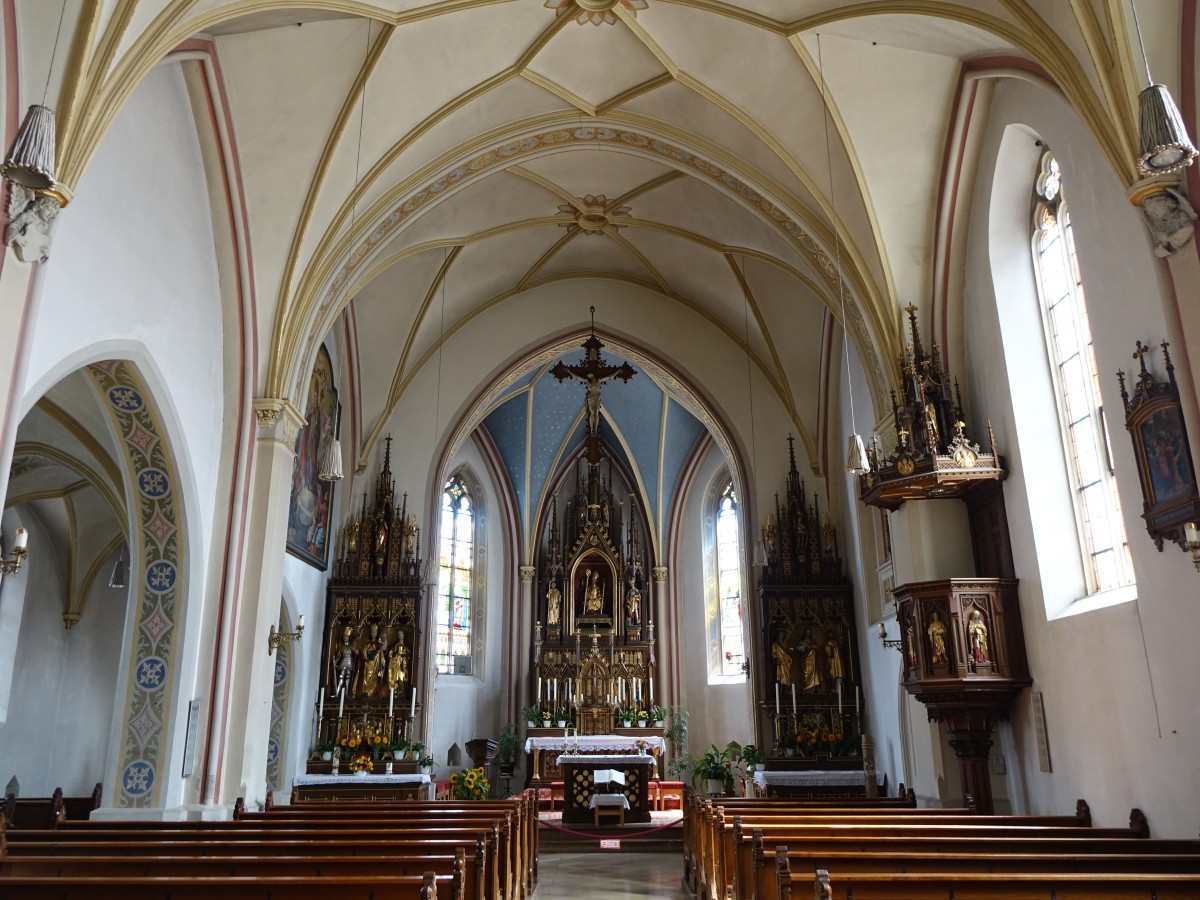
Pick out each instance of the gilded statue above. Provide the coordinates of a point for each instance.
(810, 664)
(593, 601)
(373, 660)
(977, 632)
(397, 672)
(833, 658)
(633, 605)
(937, 640)
(553, 605)
(912, 644)
(783, 664)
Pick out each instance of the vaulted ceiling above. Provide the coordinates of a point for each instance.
(428, 162)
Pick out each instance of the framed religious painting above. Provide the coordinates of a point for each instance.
(312, 499)
(1154, 419)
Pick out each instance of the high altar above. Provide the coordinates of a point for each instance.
(371, 659)
(593, 638)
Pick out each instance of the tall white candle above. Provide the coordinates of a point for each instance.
(857, 711)
(651, 690)
(839, 700)
(793, 700)
(21, 539)
(539, 689)
(321, 705)
(778, 710)
(391, 700)
(341, 703)
(412, 709)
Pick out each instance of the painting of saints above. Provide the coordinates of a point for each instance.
(1166, 463)
(311, 503)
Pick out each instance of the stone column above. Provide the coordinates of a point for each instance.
(246, 720)
(520, 669)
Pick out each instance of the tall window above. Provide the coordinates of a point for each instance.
(1081, 407)
(456, 540)
(729, 582)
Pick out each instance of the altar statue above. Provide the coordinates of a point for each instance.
(783, 664)
(633, 605)
(833, 658)
(373, 660)
(397, 672)
(553, 605)
(344, 669)
(810, 667)
(593, 601)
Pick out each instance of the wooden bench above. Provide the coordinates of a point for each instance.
(984, 886)
(44, 812)
(134, 887)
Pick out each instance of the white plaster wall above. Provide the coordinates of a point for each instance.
(61, 707)
(1118, 683)
(133, 275)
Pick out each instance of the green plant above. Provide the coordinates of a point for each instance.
(470, 784)
(658, 714)
(676, 733)
(425, 762)
(324, 747)
(627, 714)
(532, 714)
(788, 741)
(399, 745)
(752, 756)
(561, 714)
(506, 746)
(713, 764)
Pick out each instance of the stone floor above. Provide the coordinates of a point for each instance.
(602, 875)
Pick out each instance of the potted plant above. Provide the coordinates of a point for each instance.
(676, 735)
(533, 716)
(324, 749)
(788, 743)
(379, 745)
(399, 748)
(425, 764)
(469, 784)
(560, 716)
(752, 758)
(715, 768)
(416, 750)
(627, 715)
(362, 765)
(506, 750)
(658, 716)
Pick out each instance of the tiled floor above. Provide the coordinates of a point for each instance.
(604, 875)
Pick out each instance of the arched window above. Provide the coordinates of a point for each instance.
(1103, 542)
(729, 582)
(456, 563)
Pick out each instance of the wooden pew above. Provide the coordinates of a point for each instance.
(44, 812)
(984, 886)
(132, 887)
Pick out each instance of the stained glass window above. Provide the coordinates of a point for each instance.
(729, 583)
(456, 540)
(1081, 406)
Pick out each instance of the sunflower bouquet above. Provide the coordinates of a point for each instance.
(470, 784)
(361, 763)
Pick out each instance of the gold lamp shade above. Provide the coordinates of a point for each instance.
(1163, 145)
(30, 160)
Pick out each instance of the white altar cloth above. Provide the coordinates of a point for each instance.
(813, 778)
(608, 800)
(594, 742)
(601, 761)
(308, 780)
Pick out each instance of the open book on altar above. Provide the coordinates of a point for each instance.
(608, 776)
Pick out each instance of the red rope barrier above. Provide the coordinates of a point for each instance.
(620, 834)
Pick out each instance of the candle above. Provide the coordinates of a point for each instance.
(391, 700)
(793, 700)
(321, 705)
(539, 689)
(651, 690)
(300, 622)
(412, 710)
(856, 706)
(839, 698)
(777, 709)
(341, 703)
(22, 539)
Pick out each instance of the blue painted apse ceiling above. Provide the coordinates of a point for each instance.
(540, 422)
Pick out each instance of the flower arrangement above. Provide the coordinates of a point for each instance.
(361, 763)
(532, 714)
(378, 743)
(657, 714)
(642, 715)
(349, 745)
(641, 746)
(470, 784)
(399, 748)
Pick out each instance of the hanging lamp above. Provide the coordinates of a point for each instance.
(1163, 143)
(31, 158)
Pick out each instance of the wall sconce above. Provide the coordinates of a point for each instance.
(1191, 540)
(883, 638)
(19, 552)
(279, 638)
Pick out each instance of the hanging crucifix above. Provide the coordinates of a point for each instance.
(593, 372)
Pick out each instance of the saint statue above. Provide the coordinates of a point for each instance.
(833, 658)
(593, 602)
(633, 605)
(810, 664)
(977, 632)
(783, 664)
(937, 640)
(912, 644)
(553, 605)
(398, 666)
(344, 669)
(373, 660)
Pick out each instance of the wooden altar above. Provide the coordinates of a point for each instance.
(371, 656)
(579, 784)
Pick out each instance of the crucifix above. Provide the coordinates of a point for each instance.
(593, 372)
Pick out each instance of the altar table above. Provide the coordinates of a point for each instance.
(360, 787)
(579, 785)
(806, 783)
(543, 750)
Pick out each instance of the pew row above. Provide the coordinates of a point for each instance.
(45, 812)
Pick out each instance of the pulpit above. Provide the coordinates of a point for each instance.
(579, 784)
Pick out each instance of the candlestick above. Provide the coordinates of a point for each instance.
(412, 710)
(391, 700)
(793, 700)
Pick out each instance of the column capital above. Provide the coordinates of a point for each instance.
(527, 573)
(659, 573)
(278, 421)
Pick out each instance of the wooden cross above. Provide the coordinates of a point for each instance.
(593, 372)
